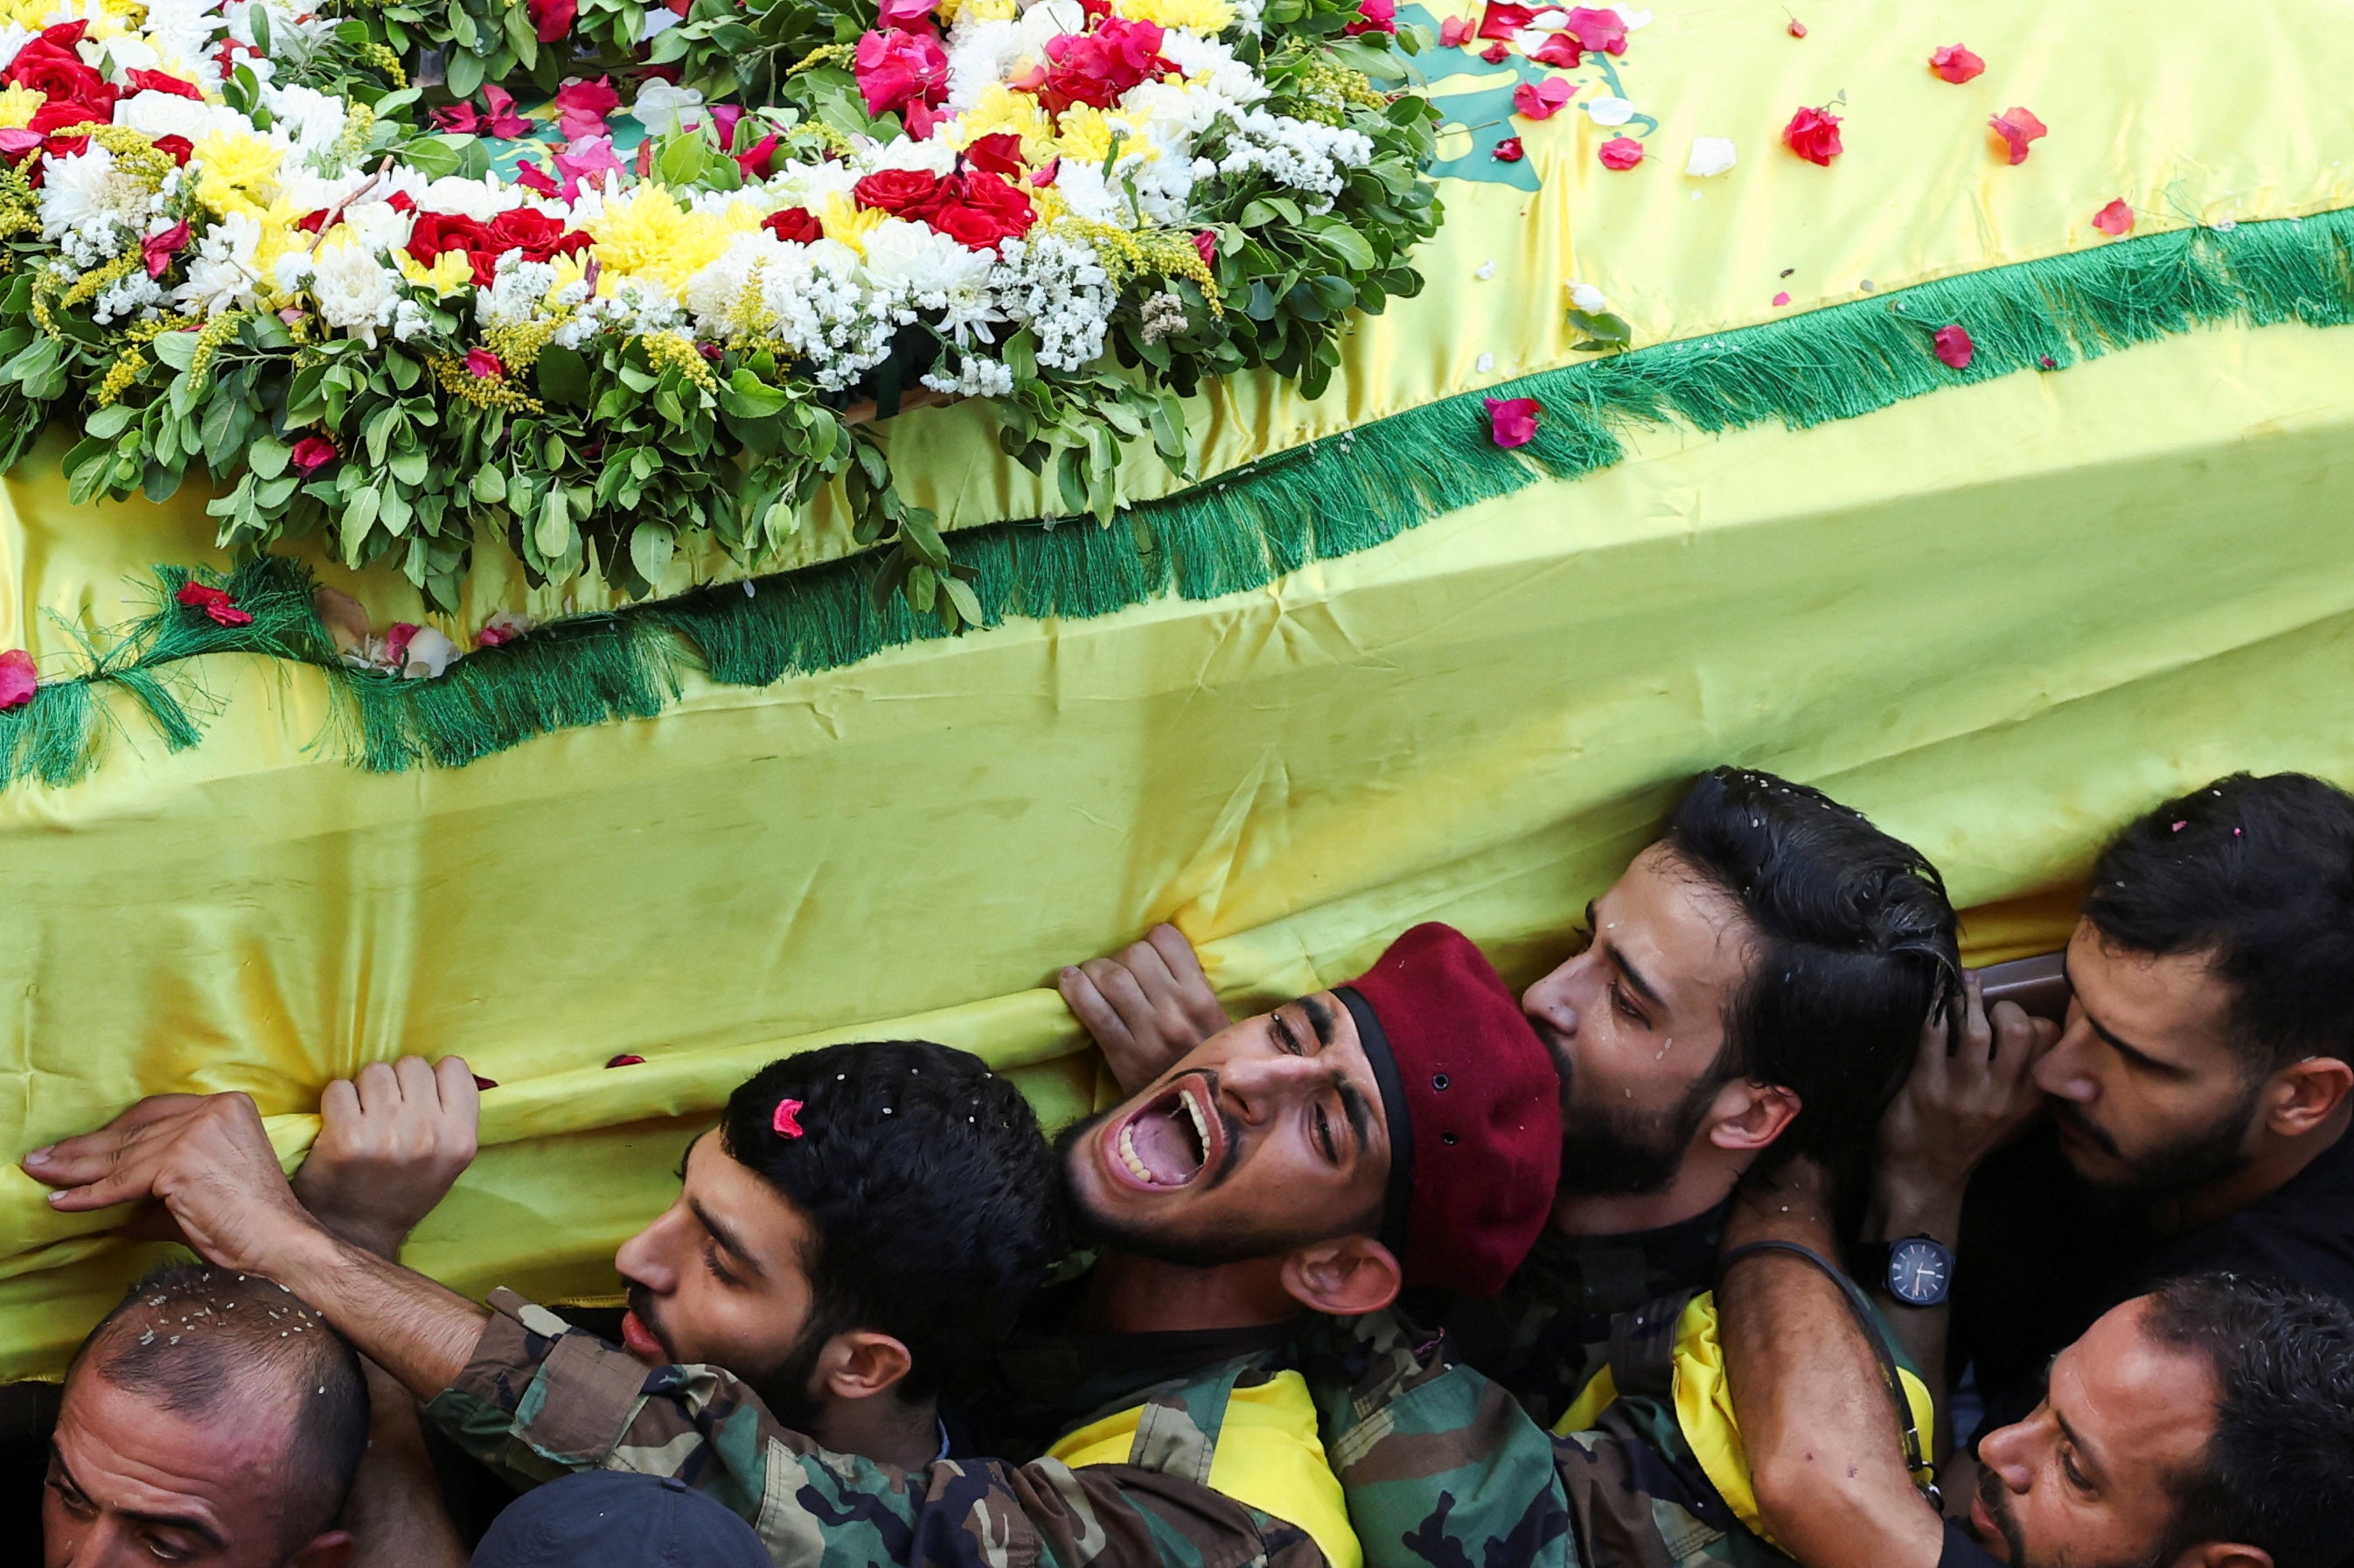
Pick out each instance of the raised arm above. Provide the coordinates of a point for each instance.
(1816, 1419)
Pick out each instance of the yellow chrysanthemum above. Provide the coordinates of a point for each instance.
(571, 270)
(240, 171)
(451, 270)
(17, 105)
(1000, 109)
(1087, 136)
(646, 234)
(1208, 18)
(845, 220)
(279, 236)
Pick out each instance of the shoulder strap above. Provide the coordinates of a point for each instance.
(1860, 1305)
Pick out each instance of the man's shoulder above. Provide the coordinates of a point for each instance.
(2299, 1235)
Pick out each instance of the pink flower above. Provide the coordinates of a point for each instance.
(1813, 134)
(913, 15)
(785, 1121)
(458, 118)
(1455, 31)
(1509, 151)
(1620, 153)
(215, 602)
(1797, 29)
(897, 69)
(586, 157)
(159, 248)
(1206, 242)
(1513, 421)
(481, 363)
(725, 116)
(1954, 346)
(1374, 16)
(17, 679)
(2114, 218)
(581, 107)
(2018, 127)
(532, 177)
(502, 629)
(502, 120)
(312, 453)
(551, 19)
(1541, 100)
(1604, 32)
(396, 642)
(1954, 63)
(1782, 298)
(754, 160)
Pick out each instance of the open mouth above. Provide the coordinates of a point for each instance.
(1170, 1142)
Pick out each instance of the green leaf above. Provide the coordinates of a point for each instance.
(266, 456)
(563, 374)
(109, 423)
(359, 518)
(490, 486)
(747, 396)
(465, 69)
(651, 545)
(967, 602)
(554, 534)
(409, 466)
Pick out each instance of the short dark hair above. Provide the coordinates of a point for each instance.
(2258, 874)
(2278, 1472)
(188, 1336)
(1857, 947)
(931, 1194)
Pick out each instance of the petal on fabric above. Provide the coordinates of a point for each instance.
(2018, 127)
(1954, 63)
(1954, 346)
(2114, 218)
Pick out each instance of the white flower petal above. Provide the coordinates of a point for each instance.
(1587, 297)
(1608, 111)
(1711, 156)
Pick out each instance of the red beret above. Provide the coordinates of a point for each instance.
(1473, 1102)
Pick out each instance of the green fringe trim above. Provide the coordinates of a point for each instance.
(1240, 531)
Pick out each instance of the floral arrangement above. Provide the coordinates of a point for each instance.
(241, 237)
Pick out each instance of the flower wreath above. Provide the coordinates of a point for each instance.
(232, 234)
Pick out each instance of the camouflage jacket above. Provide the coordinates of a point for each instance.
(540, 1399)
(1548, 1335)
(1443, 1469)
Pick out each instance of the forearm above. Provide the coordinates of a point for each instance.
(420, 1333)
(1899, 1209)
(1817, 1421)
(396, 1513)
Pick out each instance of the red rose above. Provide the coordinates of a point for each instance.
(180, 148)
(64, 114)
(216, 603)
(971, 227)
(1374, 16)
(1095, 67)
(551, 19)
(483, 364)
(163, 81)
(435, 232)
(56, 70)
(999, 153)
(794, 224)
(1813, 134)
(537, 235)
(312, 453)
(899, 191)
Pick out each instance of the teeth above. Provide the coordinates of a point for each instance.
(1201, 1124)
(1128, 1155)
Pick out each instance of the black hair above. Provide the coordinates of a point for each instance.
(2258, 874)
(1856, 949)
(930, 1192)
(2278, 1471)
(188, 1336)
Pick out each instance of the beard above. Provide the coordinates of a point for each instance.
(1091, 1226)
(1996, 1499)
(783, 1386)
(1609, 1151)
(2207, 1155)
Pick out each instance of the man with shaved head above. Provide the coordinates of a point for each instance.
(211, 1417)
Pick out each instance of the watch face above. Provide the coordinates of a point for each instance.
(1919, 1272)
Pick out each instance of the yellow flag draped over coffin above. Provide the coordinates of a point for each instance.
(1999, 617)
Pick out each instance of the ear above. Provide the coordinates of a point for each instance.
(1345, 1278)
(2224, 1555)
(1748, 1116)
(2306, 1093)
(860, 1364)
(329, 1548)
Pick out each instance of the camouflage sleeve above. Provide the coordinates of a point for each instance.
(539, 1399)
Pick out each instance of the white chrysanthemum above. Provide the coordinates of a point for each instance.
(808, 185)
(223, 274)
(481, 200)
(169, 114)
(933, 154)
(88, 197)
(980, 53)
(14, 36)
(918, 262)
(308, 118)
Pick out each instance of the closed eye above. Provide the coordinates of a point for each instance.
(1626, 1008)
(718, 1269)
(1286, 1036)
(1324, 1135)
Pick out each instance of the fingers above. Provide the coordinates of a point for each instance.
(1148, 967)
(378, 1088)
(420, 1092)
(1184, 965)
(74, 1161)
(1096, 1015)
(1977, 1034)
(1118, 986)
(462, 1107)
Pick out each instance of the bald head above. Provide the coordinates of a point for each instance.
(258, 1394)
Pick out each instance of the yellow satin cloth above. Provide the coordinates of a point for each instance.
(1999, 619)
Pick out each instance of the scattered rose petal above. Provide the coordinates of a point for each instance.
(1541, 100)
(481, 363)
(428, 653)
(1782, 298)
(1484, 364)
(1485, 271)
(1494, 54)
(1374, 16)
(587, 157)
(1954, 63)
(18, 681)
(551, 19)
(312, 453)
(1954, 346)
(1813, 134)
(482, 1082)
(1604, 32)
(1512, 421)
(785, 1119)
(502, 629)
(2114, 218)
(157, 249)
(2018, 127)
(1798, 29)
(532, 177)
(581, 107)
(1588, 298)
(1620, 153)
(626, 1060)
(1610, 110)
(215, 602)
(1457, 31)
(1509, 151)
(1711, 156)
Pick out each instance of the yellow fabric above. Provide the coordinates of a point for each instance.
(1601, 1391)
(1267, 1456)
(2143, 103)
(2000, 620)
(1704, 1411)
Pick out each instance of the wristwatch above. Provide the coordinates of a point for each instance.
(1916, 1271)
